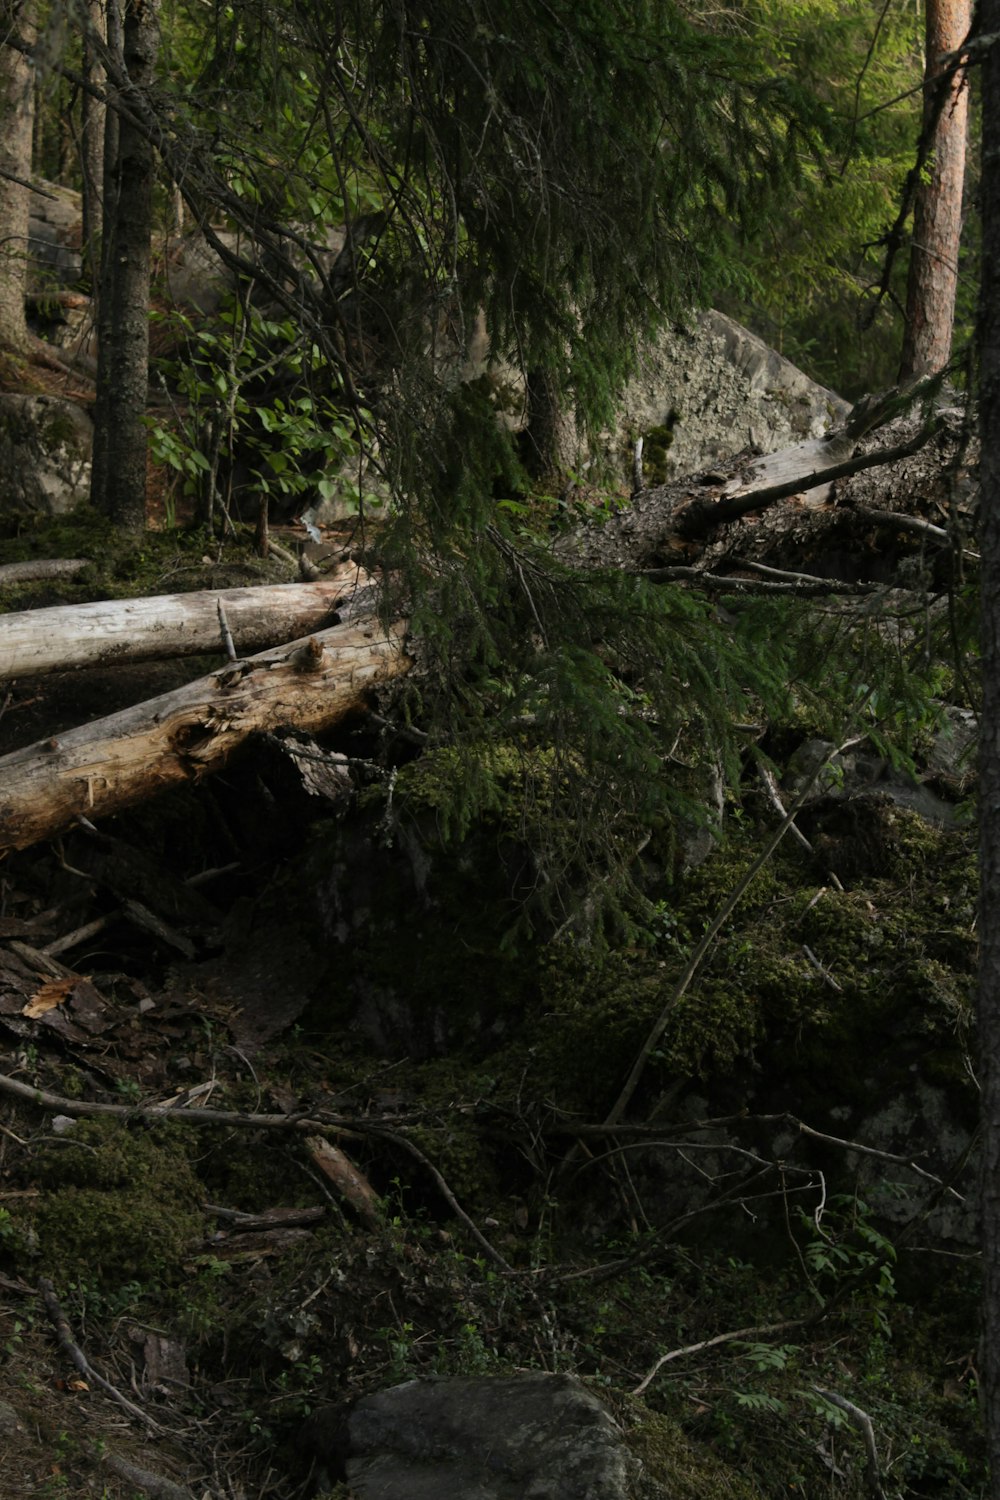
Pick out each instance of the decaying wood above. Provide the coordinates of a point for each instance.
(812, 505)
(112, 631)
(350, 1182)
(789, 509)
(180, 736)
(43, 567)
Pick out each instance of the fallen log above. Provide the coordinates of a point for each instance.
(112, 631)
(41, 568)
(111, 764)
(666, 533)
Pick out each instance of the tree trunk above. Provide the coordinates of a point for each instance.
(937, 215)
(550, 436)
(114, 631)
(119, 475)
(103, 767)
(989, 751)
(17, 109)
(92, 143)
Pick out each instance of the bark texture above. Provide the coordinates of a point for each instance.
(92, 139)
(181, 736)
(17, 94)
(989, 730)
(112, 631)
(937, 214)
(123, 374)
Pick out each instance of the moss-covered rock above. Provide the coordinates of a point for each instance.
(116, 1204)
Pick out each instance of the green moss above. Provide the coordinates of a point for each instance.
(656, 445)
(672, 1466)
(124, 566)
(116, 1203)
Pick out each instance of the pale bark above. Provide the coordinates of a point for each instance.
(17, 95)
(113, 631)
(937, 214)
(182, 736)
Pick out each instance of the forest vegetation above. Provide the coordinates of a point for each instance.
(574, 963)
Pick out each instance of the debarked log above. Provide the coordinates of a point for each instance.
(112, 631)
(100, 768)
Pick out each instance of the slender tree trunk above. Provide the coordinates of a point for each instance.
(989, 721)
(119, 483)
(17, 108)
(92, 142)
(103, 298)
(937, 216)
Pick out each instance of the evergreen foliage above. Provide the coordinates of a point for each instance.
(573, 174)
(808, 275)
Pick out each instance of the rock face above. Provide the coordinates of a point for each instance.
(45, 455)
(54, 259)
(709, 389)
(533, 1437)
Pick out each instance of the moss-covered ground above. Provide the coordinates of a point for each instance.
(776, 1229)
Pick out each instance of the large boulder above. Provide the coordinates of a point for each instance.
(707, 389)
(46, 446)
(486, 1437)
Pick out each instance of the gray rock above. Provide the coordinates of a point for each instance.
(854, 775)
(54, 234)
(521, 1437)
(46, 445)
(10, 1421)
(716, 388)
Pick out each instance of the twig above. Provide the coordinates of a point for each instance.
(447, 1194)
(720, 1338)
(862, 1420)
(731, 584)
(82, 1108)
(79, 1360)
(155, 1486)
(24, 182)
(827, 976)
(911, 523)
(226, 633)
(769, 779)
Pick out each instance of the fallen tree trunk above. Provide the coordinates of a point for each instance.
(112, 631)
(103, 767)
(797, 506)
(707, 529)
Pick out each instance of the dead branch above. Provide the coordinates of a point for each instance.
(80, 1362)
(100, 768)
(763, 1331)
(863, 1421)
(39, 568)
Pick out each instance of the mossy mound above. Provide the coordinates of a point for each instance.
(116, 1204)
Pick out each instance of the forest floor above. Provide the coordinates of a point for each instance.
(226, 1211)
